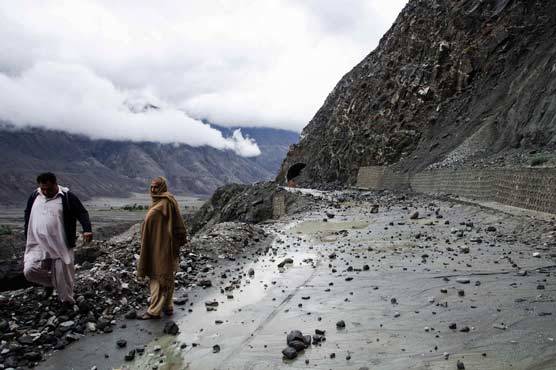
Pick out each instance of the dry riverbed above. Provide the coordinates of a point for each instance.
(420, 284)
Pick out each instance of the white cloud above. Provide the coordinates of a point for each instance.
(245, 62)
(72, 98)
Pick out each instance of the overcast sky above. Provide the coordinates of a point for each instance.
(80, 65)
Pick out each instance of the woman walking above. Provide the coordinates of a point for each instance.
(162, 234)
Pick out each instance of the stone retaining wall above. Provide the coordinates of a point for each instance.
(530, 188)
(278, 205)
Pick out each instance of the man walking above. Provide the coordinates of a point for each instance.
(50, 227)
(162, 234)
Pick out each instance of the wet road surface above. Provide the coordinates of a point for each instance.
(398, 312)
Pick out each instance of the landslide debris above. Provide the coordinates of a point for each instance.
(246, 203)
(107, 291)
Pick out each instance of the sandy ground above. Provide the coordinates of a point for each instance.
(398, 313)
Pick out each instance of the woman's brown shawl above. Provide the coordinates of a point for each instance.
(162, 234)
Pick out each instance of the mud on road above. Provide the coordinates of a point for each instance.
(422, 284)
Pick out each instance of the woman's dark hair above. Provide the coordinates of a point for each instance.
(45, 177)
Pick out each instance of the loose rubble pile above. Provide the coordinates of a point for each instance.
(33, 322)
(297, 342)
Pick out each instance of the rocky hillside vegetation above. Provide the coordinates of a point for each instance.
(452, 83)
(115, 168)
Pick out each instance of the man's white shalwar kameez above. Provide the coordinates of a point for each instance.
(48, 261)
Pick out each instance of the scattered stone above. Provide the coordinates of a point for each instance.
(289, 353)
(285, 261)
(205, 283)
(130, 355)
(462, 280)
(121, 343)
(414, 215)
(464, 249)
(460, 365)
(215, 348)
(341, 324)
(171, 328)
(131, 315)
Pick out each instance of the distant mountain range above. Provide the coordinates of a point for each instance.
(115, 168)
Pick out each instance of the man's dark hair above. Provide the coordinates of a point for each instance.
(45, 177)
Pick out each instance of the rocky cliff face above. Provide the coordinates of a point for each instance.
(451, 81)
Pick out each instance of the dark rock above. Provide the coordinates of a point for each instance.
(294, 335)
(341, 324)
(4, 326)
(299, 345)
(121, 343)
(32, 356)
(25, 339)
(130, 355)
(171, 328)
(460, 365)
(317, 338)
(205, 283)
(285, 261)
(131, 315)
(289, 353)
(215, 348)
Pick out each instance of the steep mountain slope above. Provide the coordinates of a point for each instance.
(451, 81)
(101, 167)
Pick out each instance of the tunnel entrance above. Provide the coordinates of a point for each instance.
(293, 172)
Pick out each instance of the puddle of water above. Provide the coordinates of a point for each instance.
(167, 352)
(239, 317)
